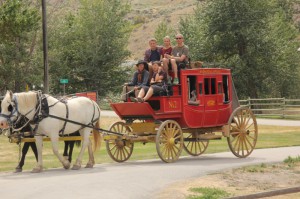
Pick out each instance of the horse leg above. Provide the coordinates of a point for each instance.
(91, 161)
(85, 133)
(34, 149)
(71, 144)
(66, 155)
(39, 145)
(24, 152)
(54, 142)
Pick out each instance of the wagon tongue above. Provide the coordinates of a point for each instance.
(133, 110)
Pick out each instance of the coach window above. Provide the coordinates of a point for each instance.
(192, 91)
(213, 86)
(206, 86)
(210, 86)
(225, 88)
(191, 86)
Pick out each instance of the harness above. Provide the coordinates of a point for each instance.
(42, 111)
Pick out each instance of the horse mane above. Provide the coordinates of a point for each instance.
(26, 99)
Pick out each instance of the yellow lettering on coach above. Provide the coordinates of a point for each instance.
(172, 104)
(211, 103)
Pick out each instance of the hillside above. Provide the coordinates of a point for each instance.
(154, 12)
(146, 15)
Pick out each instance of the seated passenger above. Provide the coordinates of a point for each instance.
(152, 54)
(179, 57)
(157, 84)
(166, 51)
(140, 78)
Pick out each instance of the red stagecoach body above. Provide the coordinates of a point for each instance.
(211, 106)
(194, 112)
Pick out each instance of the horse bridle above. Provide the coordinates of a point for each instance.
(14, 110)
(11, 123)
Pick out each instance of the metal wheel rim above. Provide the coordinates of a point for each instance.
(169, 141)
(119, 150)
(194, 148)
(243, 132)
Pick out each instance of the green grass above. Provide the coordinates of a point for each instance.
(269, 136)
(255, 168)
(207, 193)
(291, 162)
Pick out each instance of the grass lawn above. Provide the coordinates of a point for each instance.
(269, 136)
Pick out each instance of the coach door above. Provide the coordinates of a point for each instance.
(210, 101)
(194, 109)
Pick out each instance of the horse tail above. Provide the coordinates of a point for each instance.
(97, 136)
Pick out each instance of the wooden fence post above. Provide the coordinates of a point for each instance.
(283, 107)
(249, 102)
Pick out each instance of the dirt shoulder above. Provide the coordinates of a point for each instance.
(242, 181)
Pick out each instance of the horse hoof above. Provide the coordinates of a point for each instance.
(76, 167)
(66, 164)
(37, 170)
(88, 165)
(18, 169)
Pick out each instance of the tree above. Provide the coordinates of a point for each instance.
(19, 20)
(89, 47)
(163, 30)
(256, 39)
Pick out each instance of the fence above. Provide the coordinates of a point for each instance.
(274, 107)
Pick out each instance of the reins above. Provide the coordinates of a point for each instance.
(39, 115)
(84, 125)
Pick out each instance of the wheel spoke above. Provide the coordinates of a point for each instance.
(245, 143)
(247, 122)
(175, 153)
(237, 141)
(187, 146)
(247, 127)
(123, 151)
(242, 144)
(199, 146)
(126, 150)
(251, 137)
(113, 147)
(238, 118)
(177, 148)
(252, 146)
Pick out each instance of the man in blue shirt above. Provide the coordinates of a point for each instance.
(140, 78)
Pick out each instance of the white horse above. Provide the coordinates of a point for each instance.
(81, 110)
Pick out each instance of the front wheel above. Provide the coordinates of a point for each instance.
(169, 141)
(119, 149)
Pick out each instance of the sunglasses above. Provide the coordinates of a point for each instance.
(179, 38)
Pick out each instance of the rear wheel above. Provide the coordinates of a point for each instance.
(169, 141)
(192, 144)
(242, 132)
(119, 149)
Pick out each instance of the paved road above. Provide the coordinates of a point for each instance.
(260, 121)
(132, 179)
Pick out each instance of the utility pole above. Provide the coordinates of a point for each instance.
(45, 47)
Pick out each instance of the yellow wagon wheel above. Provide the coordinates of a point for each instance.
(169, 141)
(192, 144)
(242, 132)
(119, 149)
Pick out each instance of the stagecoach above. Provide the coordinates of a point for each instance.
(203, 107)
